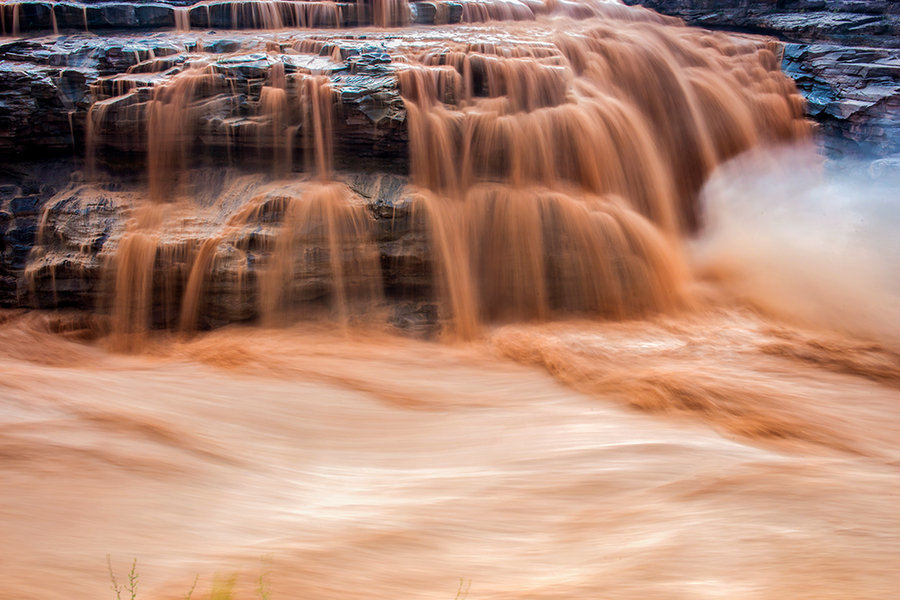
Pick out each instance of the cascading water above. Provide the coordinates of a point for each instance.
(319, 223)
(680, 371)
(554, 163)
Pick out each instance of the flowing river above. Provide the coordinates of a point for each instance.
(663, 363)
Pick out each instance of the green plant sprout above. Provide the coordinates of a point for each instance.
(191, 591)
(462, 592)
(130, 587)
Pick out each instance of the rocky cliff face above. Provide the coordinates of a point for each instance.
(47, 85)
(74, 139)
(104, 15)
(844, 56)
(849, 22)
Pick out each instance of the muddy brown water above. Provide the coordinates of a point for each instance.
(613, 409)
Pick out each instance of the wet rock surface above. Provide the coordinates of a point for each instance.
(57, 246)
(854, 92)
(23, 194)
(47, 86)
(843, 55)
(94, 15)
(56, 238)
(80, 94)
(850, 22)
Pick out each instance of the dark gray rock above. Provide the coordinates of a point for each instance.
(71, 16)
(400, 233)
(852, 92)
(118, 15)
(852, 22)
(33, 109)
(153, 16)
(32, 16)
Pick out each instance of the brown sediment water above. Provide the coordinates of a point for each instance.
(343, 232)
(317, 217)
(16, 15)
(316, 100)
(182, 19)
(641, 401)
(559, 155)
(390, 13)
(170, 126)
(335, 466)
(577, 145)
(273, 104)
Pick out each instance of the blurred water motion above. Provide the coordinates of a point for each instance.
(370, 465)
(554, 166)
(729, 431)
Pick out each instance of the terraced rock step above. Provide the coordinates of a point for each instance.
(849, 22)
(509, 171)
(23, 17)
